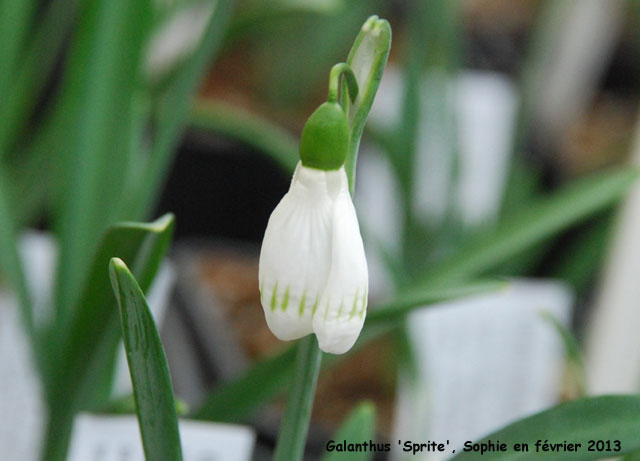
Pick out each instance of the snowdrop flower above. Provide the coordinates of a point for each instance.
(313, 273)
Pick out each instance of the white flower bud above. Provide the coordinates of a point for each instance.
(313, 272)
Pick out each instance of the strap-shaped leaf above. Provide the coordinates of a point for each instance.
(99, 84)
(172, 108)
(81, 361)
(412, 299)
(359, 427)
(605, 418)
(10, 263)
(532, 225)
(38, 59)
(155, 404)
(238, 398)
(249, 128)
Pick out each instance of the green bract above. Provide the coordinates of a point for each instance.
(325, 138)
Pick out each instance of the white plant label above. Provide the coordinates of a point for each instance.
(117, 438)
(483, 362)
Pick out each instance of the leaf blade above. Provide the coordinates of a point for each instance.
(173, 108)
(419, 297)
(84, 357)
(533, 225)
(98, 88)
(359, 426)
(248, 128)
(597, 418)
(155, 403)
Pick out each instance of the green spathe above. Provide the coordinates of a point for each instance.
(325, 138)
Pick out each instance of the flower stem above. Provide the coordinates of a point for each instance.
(297, 414)
(334, 82)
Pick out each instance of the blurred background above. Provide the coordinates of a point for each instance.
(498, 149)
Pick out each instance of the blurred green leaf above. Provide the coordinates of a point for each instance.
(171, 111)
(15, 18)
(368, 58)
(99, 83)
(34, 69)
(148, 368)
(28, 185)
(411, 299)
(232, 401)
(84, 350)
(541, 49)
(11, 267)
(254, 14)
(320, 40)
(277, 7)
(533, 224)
(524, 183)
(575, 360)
(606, 418)
(635, 456)
(248, 128)
(580, 260)
(358, 427)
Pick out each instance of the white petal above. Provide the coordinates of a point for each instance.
(343, 304)
(296, 252)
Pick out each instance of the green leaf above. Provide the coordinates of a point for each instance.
(367, 58)
(172, 109)
(416, 298)
(82, 358)
(15, 18)
(541, 49)
(10, 263)
(155, 404)
(580, 260)
(575, 360)
(99, 84)
(635, 456)
(232, 401)
(534, 224)
(359, 426)
(40, 56)
(248, 128)
(606, 418)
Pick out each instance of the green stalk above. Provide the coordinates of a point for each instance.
(295, 424)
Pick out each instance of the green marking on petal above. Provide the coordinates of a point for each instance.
(302, 303)
(326, 309)
(340, 308)
(364, 303)
(274, 297)
(285, 300)
(315, 307)
(354, 309)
